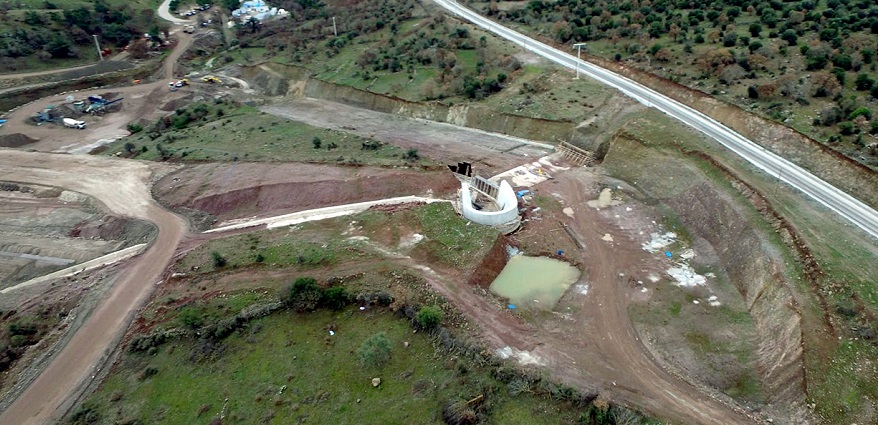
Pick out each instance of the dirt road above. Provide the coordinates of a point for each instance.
(607, 347)
(141, 101)
(123, 187)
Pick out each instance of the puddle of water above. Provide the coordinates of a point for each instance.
(537, 282)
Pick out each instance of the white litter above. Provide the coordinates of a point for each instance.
(659, 241)
(695, 302)
(684, 275)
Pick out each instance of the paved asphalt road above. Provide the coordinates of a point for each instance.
(856, 212)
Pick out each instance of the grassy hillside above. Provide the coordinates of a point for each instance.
(810, 64)
(36, 35)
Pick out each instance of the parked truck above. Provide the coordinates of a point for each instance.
(72, 123)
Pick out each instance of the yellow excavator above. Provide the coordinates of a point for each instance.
(211, 79)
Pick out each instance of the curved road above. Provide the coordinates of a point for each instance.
(856, 212)
(123, 187)
(165, 13)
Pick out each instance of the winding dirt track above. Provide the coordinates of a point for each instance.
(122, 186)
(609, 345)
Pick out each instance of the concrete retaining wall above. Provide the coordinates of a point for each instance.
(506, 200)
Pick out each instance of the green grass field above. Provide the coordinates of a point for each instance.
(230, 133)
(287, 368)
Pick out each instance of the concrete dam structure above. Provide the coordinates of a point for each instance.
(506, 201)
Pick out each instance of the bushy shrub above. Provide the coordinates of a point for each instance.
(375, 351)
(218, 260)
(302, 295)
(429, 317)
(335, 298)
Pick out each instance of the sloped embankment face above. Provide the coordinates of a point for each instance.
(280, 80)
(725, 223)
(754, 270)
(229, 191)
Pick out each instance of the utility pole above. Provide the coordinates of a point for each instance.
(334, 28)
(578, 47)
(98, 46)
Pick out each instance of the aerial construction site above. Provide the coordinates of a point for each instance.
(289, 213)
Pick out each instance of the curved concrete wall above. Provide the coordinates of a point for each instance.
(506, 201)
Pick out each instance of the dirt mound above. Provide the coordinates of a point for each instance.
(15, 140)
(396, 207)
(115, 228)
(302, 196)
(175, 104)
(234, 190)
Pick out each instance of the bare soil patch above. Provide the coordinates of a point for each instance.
(236, 190)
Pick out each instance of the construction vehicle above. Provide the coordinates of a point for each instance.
(211, 79)
(98, 104)
(189, 29)
(181, 83)
(72, 123)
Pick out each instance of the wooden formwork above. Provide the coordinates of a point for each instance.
(577, 155)
(486, 186)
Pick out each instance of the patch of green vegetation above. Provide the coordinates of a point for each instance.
(403, 50)
(45, 34)
(548, 203)
(452, 239)
(675, 308)
(304, 248)
(226, 131)
(287, 368)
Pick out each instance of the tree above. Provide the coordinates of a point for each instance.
(864, 82)
(60, 47)
(430, 316)
(790, 37)
(825, 84)
(129, 147)
(755, 29)
(411, 155)
(316, 142)
(730, 39)
(33, 18)
(375, 351)
(253, 24)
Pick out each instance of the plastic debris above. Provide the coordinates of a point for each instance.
(668, 254)
(512, 306)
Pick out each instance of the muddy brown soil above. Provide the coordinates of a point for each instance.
(236, 190)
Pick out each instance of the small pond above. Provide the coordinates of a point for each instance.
(535, 282)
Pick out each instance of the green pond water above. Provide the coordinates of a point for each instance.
(536, 282)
